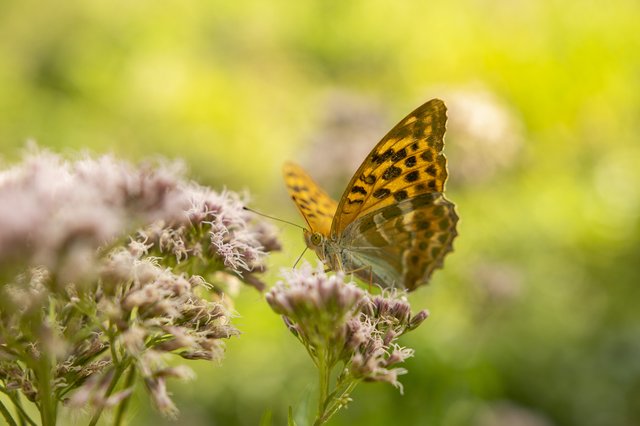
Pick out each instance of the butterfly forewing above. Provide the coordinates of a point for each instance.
(314, 204)
(407, 162)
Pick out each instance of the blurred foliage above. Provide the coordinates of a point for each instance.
(534, 318)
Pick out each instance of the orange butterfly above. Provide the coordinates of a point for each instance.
(393, 224)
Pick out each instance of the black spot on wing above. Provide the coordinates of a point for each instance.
(419, 130)
(369, 180)
(410, 162)
(391, 173)
(444, 224)
(391, 212)
(400, 195)
(422, 200)
(402, 132)
(358, 190)
(399, 155)
(423, 224)
(427, 155)
(381, 193)
(435, 142)
(381, 158)
(412, 176)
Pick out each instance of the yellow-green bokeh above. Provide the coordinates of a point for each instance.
(534, 318)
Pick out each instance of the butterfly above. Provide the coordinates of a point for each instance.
(393, 225)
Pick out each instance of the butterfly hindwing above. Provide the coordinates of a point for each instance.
(407, 162)
(403, 243)
(314, 204)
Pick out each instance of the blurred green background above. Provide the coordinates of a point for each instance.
(535, 318)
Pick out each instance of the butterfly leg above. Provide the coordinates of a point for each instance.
(368, 268)
(336, 264)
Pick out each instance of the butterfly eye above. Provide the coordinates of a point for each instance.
(316, 239)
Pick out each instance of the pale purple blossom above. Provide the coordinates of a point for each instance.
(94, 393)
(338, 319)
(56, 213)
(106, 268)
(316, 304)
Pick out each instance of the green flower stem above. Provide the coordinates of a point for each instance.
(120, 366)
(122, 408)
(324, 373)
(328, 405)
(48, 405)
(337, 403)
(44, 367)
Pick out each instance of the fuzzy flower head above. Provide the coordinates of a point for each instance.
(315, 305)
(57, 214)
(108, 267)
(371, 351)
(341, 322)
(215, 232)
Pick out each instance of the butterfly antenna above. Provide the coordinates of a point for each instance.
(300, 257)
(273, 218)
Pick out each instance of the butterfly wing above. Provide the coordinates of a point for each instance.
(402, 244)
(393, 221)
(314, 204)
(407, 162)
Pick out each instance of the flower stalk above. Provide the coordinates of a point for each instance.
(347, 332)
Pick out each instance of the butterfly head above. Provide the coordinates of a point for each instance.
(316, 242)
